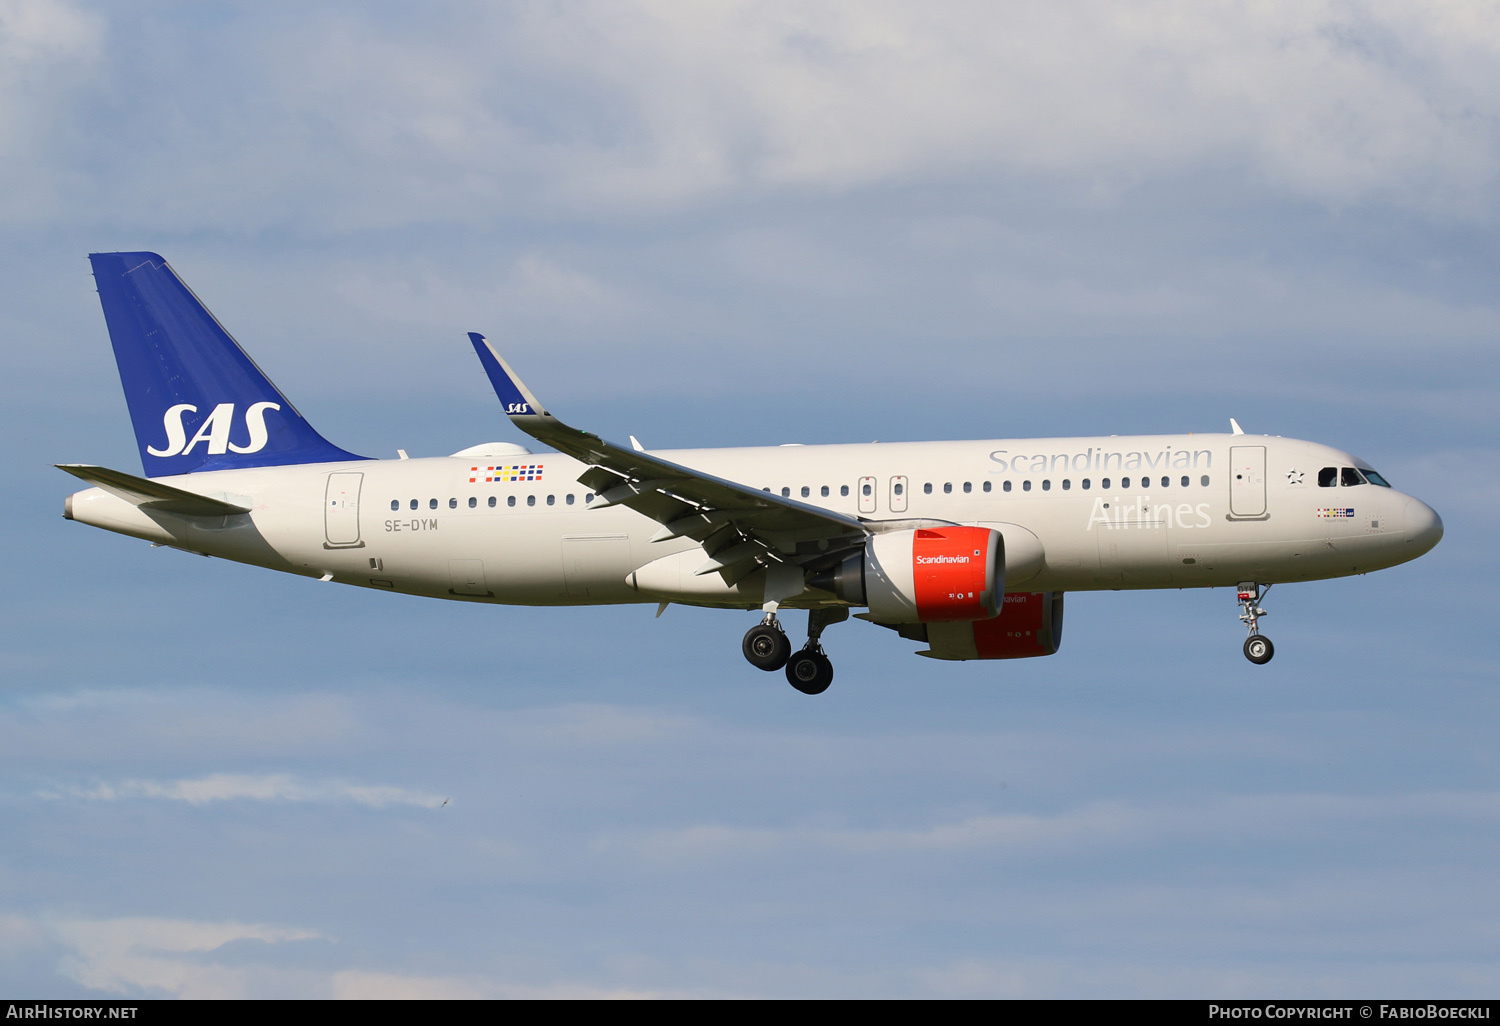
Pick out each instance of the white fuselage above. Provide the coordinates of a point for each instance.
(1197, 511)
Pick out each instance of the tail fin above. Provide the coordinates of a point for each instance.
(196, 400)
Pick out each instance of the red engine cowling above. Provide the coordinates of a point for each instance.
(1030, 624)
(937, 575)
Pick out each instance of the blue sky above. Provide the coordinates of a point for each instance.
(752, 223)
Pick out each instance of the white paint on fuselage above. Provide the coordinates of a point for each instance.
(1148, 534)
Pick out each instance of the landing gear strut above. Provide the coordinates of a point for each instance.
(1258, 648)
(809, 670)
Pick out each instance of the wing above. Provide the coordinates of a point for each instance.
(741, 529)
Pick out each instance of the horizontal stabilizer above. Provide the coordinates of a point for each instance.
(152, 495)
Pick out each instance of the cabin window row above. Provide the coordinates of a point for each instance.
(1087, 484)
(967, 487)
(510, 501)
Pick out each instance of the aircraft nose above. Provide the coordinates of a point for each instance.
(1424, 528)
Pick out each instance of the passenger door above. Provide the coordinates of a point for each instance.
(341, 511)
(1247, 481)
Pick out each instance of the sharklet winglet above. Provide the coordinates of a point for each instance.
(511, 390)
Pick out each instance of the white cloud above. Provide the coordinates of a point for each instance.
(1337, 101)
(355, 119)
(1101, 825)
(146, 954)
(218, 787)
(48, 52)
(171, 956)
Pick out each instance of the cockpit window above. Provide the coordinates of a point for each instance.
(1349, 477)
(1328, 477)
(1376, 479)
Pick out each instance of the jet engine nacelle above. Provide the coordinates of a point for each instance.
(929, 575)
(1030, 624)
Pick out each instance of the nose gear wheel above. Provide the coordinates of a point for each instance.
(1258, 647)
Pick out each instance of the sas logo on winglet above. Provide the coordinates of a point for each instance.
(214, 431)
(517, 407)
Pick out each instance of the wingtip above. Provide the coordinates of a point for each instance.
(513, 394)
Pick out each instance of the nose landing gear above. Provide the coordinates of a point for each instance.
(1258, 648)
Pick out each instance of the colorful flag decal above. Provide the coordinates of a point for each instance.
(1336, 512)
(515, 472)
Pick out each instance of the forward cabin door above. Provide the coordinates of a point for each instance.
(341, 511)
(1247, 481)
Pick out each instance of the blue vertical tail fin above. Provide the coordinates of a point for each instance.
(197, 401)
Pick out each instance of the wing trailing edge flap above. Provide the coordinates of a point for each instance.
(152, 495)
(740, 528)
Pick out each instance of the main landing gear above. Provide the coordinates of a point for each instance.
(1258, 648)
(808, 669)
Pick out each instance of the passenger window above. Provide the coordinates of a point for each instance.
(968, 487)
(570, 499)
(588, 497)
(492, 502)
(1047, 485)
(1205, 481)
(900, 489)
(786, 493)
(825, 491)
(843, 490)
(1185, 480)
(1025, 486)
(551, 500)
(1067, 484)
(1124, 482)
(453, 504)
(1006, 486)
(510, 500)
(927, 489)
(1351, 477)
(806, 491)
(395, 504)
(947, 487)
(1104, 484)
(987, 486)
(1328, 477)
(1166, 482)
(473, 502)
(531, 500)
(414, 504)
(432, 504)
(866, 490)
(1085, 484)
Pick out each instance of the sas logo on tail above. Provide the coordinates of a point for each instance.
(214, 431)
